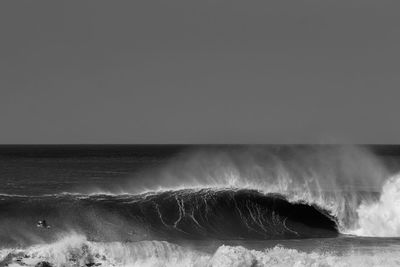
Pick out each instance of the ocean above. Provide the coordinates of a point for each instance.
(199, 205)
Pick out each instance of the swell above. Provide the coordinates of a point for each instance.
(181, 214)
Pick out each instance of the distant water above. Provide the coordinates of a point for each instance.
(200, 205)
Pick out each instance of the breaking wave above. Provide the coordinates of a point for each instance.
(297, 192)
(350, 184)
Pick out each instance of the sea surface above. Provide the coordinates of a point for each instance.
(191, 205)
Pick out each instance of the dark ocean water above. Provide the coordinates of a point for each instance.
(37, 170)
(120, 205)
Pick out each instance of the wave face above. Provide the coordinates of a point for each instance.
(185, 214)
(76, 250)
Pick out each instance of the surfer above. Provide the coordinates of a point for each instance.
(42, 224)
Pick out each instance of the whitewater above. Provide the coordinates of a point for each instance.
(75, 250)
(200, 206)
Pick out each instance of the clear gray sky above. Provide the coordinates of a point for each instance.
(199, 71)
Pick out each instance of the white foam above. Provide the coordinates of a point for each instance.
(75, 250)
(381, 218)
(278, 256)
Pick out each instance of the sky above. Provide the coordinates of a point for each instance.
(142, 72)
